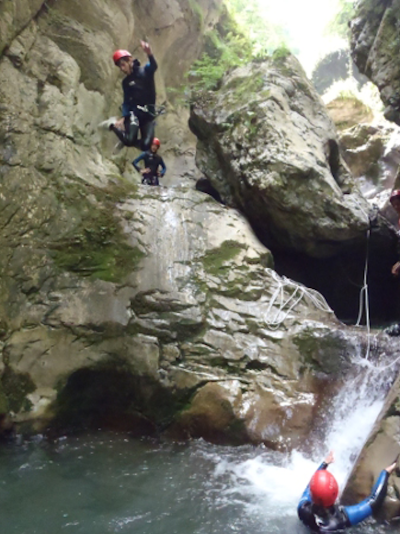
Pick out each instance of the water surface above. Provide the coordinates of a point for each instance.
(109, 483)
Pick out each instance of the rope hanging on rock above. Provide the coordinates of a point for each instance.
(285, 305)
(364, 299)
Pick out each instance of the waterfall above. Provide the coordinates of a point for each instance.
(269, 484)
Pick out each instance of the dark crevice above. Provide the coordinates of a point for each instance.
(255, 365)
(340, 279)
(112, 397)
(205, 186)
(334, 159)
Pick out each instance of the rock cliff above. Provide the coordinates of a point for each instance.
(153, 309)
(375, 48)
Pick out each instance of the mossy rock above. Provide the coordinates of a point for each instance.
(216, 260)
(15, 387)
(96, 247)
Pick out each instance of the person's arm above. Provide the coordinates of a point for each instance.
(151, 66)
(371, 504)
(163, 167)
(137, 160)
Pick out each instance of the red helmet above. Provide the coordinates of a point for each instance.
(156, 141)
(395, 194)
(323, 488)
(118, 54)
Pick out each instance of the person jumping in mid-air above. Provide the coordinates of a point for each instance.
(152, 161)
(317, 508)
(138, 108)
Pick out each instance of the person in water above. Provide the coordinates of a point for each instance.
(318, 510)
(152, 162)
(138, 108)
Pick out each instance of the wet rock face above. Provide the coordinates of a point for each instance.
(120, 303)
(194, 332)
(375, 48)
(381, 449)
(267, 145)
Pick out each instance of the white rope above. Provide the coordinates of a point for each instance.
(364, 299)
(370, 365)
(285, 306)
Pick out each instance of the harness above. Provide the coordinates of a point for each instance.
(158, 110)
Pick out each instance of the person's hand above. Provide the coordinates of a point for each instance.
(396, 268)
(120, 124)
(146, 48)
(145, 171)
(330, 458)
(392, 467)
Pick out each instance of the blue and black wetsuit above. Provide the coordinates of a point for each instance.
(337, 518)
(153, 162)
(138, 108)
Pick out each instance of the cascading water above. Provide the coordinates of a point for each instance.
(274, 482)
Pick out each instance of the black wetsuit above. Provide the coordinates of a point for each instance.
(138, 107)
(337, 518)
(152, 161)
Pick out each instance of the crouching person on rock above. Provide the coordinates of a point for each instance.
(319, 511)
(152, 163)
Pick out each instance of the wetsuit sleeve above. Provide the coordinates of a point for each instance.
(368, 506)
(151, 66)
(163, 167)
(137, 160)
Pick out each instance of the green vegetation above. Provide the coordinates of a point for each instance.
(242, 36)
(340, 24)
(282, 52)
(223, 51)
(97, 246)
(264, 35)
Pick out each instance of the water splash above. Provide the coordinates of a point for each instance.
(270, 484)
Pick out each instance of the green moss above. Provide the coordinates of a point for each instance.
(96, 247)
(89, 257)
(245, 87)
(16, 386)
(215, 259)
(197, 12)
(320, 352)
(3, 402)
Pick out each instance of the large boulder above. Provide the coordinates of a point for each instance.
(375, 48)
(158, 308)
(268, 147)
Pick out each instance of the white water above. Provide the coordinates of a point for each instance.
(107, 483)
(270, 484)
